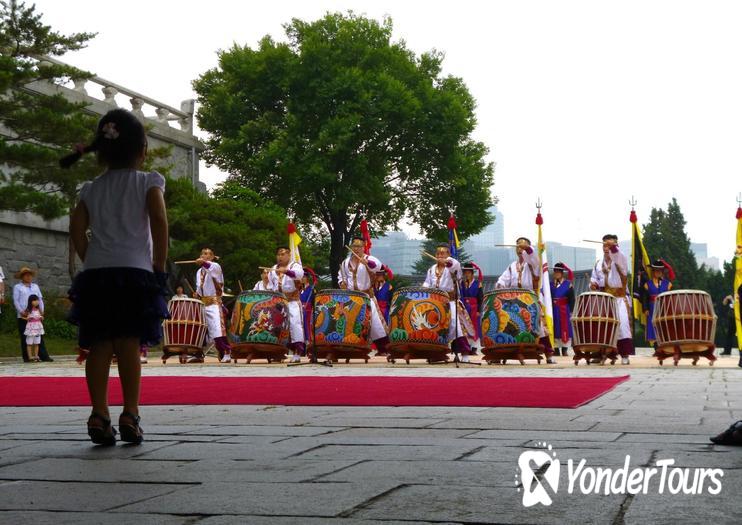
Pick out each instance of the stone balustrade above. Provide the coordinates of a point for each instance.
(141, 105)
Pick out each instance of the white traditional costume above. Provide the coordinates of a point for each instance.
(610, 275)
(446, 278)
(354, 275)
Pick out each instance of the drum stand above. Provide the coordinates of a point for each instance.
(313, 357)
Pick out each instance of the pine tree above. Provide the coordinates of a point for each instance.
(39, 128)
(665, 238)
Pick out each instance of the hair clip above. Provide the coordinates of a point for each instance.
(109, 131)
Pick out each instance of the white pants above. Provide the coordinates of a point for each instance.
(377, 327)
(296, 322)
(33, 339)
(214, 321)
(454, 330)
(624, 322)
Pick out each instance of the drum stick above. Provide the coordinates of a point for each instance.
(354, 253)
(506, 245)
(429, 255)
(265, 268)
(194, 261)
(189, 286)
(594, 242)
(241, 288)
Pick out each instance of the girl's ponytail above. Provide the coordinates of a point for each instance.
(67, 161)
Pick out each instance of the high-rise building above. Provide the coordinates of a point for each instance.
(397, 251)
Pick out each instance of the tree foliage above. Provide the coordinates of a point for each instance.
(340, 119)
(665, 237)
(241, 227)
(40, 128)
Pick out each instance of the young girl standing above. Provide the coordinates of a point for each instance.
(124, 212)
(34, 327)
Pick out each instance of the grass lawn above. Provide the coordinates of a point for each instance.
(10, 345)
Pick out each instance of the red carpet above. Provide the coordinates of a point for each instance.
(534, 392)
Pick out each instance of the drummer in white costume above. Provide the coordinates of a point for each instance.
(209, 288)
(263, 284)
(525, 272)
(446, 275)
(357, 272)
(610, 275)
(285, 277)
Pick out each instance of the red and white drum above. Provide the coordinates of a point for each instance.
(186, 327)
(595, 326)
(684, 323)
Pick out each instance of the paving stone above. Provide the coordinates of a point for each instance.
(266, 499)
(485, 505)
(604, 456)
(276, 520)
(402, 452)
(91, 470)
(440, 473)
(90, 518)
(266, 430)
(521, 435)
(42, 495)
(85, 449)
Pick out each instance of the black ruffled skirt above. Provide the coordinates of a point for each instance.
(112, 303)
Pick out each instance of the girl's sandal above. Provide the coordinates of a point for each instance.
(731, 436)
(131, 432)
(100, 430)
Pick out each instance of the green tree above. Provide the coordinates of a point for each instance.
(665, 237)
(241, 227)
(40, 128)
(340, 119)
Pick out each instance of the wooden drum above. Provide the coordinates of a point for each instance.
(185, 332)
(595, 327)
(342, 324)
(511, 323)
(419, 320)
(685, 324)
(259, 326)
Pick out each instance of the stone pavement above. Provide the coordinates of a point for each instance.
(362, 465)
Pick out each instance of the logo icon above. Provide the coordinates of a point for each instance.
(536, 467)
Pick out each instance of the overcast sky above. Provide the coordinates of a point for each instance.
(583, 103)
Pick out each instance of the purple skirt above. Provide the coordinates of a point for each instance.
(113, 303)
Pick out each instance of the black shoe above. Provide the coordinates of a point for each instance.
(48, 360)
(726, 353)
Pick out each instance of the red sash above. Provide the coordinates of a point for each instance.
(473, 308)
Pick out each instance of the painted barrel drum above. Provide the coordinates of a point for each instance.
(259, 320)
(595, 322)
(420, 318)
(342, 318)
(684, 319)
(510, 316)
(186, 327)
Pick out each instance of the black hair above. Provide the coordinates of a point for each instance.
(283, 248)
(119, 140)
(444, 245)
(357, 238)
(610, 237)
(523, 239)
(31, 299)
